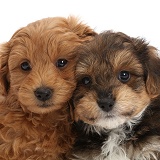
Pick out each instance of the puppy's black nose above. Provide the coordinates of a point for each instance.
(106, 104)
(43, 93)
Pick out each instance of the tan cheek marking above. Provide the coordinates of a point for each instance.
(87, 109)
(130, 103)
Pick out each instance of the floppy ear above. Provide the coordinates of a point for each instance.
(4, 84)
(82, 30)
(153, 72)
(4, 71)
(151, 62)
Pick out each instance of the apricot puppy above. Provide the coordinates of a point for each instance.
(117, 103)
(37, 80)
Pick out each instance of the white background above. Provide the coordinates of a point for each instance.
(137, 18)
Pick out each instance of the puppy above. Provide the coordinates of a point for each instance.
(117, 102)
(37, 80)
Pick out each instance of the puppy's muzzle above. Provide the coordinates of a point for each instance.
(43, 93)
(107, 103)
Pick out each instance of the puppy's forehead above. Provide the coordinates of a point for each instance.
(38, 43)
(108, 54)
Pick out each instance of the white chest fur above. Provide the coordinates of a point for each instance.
(114, 148)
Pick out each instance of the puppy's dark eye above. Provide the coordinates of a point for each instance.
(124, 76)
(25, 66)
(86, 80)
(61, 63)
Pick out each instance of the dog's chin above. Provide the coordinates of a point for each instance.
(41, 108)
(110, 122)
(105, 122)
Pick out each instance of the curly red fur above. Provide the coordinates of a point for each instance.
(30, 128)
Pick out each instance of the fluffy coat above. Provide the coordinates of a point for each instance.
(37, 78)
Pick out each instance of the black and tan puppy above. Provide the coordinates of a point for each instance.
(117, 103)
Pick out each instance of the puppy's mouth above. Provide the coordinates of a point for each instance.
(92, 120)
(45, 105)
(109, 115)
